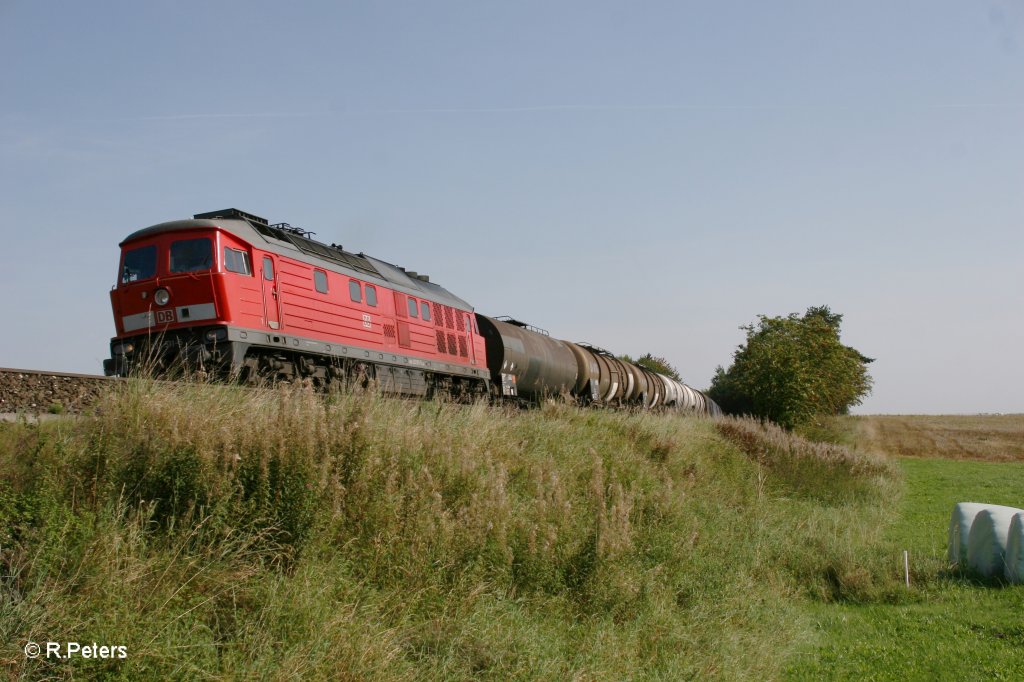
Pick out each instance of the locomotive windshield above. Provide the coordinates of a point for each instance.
(191, 255)
(139, 264)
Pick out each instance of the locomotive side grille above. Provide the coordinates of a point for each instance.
(462, 347)
(449, 320)
(453, 348)
(389, 330)
(438, 315)
(442, 344)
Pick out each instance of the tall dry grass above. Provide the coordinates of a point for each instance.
(827, 471)
(850, 498)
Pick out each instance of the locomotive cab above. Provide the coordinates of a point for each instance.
(166, 302)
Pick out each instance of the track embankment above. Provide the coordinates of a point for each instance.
(34, 392)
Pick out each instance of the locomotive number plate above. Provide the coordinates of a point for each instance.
(164, 316)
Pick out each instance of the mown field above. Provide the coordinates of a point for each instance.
(221, 533)
(994, 438)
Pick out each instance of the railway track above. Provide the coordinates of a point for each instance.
(39, 392)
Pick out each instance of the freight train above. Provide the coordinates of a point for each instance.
(229, 292)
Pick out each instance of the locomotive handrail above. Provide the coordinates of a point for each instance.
(519, 323)
(596, 349)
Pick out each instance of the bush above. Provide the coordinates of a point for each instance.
(792, 369)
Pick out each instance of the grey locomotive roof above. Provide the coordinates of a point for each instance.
(360, 266)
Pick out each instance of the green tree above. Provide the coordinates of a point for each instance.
(655, 364)
(793, 368)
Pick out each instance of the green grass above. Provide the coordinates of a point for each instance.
(935, 485)
(223, 533)
(948, 627)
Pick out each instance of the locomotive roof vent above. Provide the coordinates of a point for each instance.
(296, 236)
(231, 213)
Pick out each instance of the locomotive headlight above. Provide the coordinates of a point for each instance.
(162, 296)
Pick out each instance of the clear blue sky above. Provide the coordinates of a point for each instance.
(647, 176)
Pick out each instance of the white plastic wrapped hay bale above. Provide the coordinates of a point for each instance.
(986, 543)
(1015, 550)
(959, 527)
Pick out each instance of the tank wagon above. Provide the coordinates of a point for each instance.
(229, 292)
(527, 362)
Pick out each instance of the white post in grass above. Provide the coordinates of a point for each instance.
(906, 568)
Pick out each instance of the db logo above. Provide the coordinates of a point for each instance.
(164, 316)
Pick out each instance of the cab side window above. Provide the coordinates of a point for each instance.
(425, 309)
(355, 292)
(268, 268)
(236, 261)
(412, 308)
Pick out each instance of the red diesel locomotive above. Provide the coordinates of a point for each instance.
(227, 290)
(232, 294)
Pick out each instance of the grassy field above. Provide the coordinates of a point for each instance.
(221, 533)
(949, 627)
